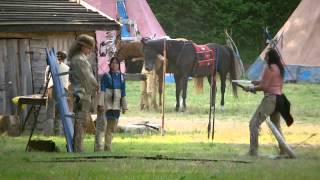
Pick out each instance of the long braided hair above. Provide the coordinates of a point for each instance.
(274, 58)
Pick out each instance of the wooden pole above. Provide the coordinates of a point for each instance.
(163, 84)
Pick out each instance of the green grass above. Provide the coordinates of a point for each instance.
(305, 103)
(17, 164)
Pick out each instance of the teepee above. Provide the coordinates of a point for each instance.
(298, 43)
(136, 14)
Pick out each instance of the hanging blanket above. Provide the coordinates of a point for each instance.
(205, 60)
(204, 55)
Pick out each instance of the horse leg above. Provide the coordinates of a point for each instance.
(184, 92)
(154, 90)
(143, 95)
(177, 79)
(159, 72)
(160, 78)
(213, 89)
(223, 89)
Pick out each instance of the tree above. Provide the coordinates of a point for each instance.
(204, 21)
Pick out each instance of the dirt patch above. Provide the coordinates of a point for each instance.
(231, 131)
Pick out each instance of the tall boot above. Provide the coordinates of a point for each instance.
(100, 132)
(143, 100)
(111, 126)
(79, 132)
(150, 100)
(48, 128)
(57, 127)
(254, 141)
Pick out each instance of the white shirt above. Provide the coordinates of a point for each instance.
(64, 78)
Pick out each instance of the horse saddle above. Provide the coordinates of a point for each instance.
(204, 55)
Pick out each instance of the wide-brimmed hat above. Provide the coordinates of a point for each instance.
(86, 40)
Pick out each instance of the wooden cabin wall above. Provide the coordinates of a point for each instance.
(38, 63)
(14, 68)
(3, 52)
(23, 62)
(25, 67)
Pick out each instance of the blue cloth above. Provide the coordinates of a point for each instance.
(112, 115)
(113, 80)
(122, 12)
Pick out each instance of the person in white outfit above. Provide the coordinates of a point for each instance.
(53, 118)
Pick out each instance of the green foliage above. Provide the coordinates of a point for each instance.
(204, 21)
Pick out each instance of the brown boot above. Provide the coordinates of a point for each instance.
(282, 152)
(252, 152)
(107, 148)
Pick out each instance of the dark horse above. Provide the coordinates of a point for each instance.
(182, 59)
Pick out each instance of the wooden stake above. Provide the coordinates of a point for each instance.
(163, 84)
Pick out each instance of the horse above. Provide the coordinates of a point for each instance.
(181, 57)
(131, 53)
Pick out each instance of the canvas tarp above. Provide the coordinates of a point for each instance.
(138, 11)
(298, 43)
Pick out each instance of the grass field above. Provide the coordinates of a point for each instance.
(185, 138)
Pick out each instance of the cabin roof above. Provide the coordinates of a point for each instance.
(52, 16)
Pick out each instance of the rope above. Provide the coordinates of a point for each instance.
(305, 140)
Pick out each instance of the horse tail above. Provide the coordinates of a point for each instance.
(198, 84)
(235, 71)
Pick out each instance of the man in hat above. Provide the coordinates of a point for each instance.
(83, 83)
(52, 111)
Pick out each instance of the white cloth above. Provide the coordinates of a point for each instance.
(64, 78)
(47, 75)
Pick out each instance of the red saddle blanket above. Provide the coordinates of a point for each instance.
(204, 55)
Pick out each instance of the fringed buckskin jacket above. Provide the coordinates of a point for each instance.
(82, 78)
(113, 91)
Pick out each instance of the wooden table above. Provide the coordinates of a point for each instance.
(34, 99)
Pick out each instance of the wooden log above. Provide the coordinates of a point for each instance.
(135, 77)
(281, 140)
